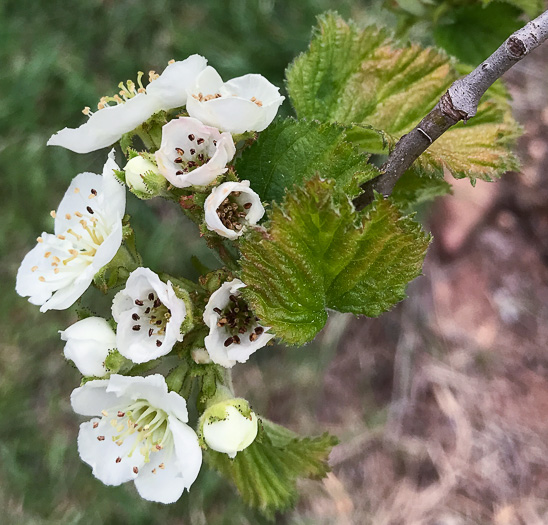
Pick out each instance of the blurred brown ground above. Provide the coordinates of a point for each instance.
(458, 373)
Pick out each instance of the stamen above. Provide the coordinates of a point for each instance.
(135, 470)
(158, 343)
(100, 438)
(52, 213)
(150, 332)
(136, 327)
(135, 317)
(200, 141)
(138, 302)
(191, 137)
(34, 268)
(89, 209)
(95, 425)
(42, 279)
(118, 459)
(39, 239)
(229, 341)
(151, 297)
(247, 205)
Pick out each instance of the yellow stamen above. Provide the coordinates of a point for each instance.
(68, 216)
(34, 268)
(52, 213)
(62, 237)
(42, 279)
(47, 254)
(39, 239)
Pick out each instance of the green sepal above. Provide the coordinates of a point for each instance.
(317, 253)
(116, 363)
(291, 151)
(266, 472)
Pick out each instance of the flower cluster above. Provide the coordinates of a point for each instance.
(185, 119)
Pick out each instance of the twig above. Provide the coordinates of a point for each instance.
(460, 102)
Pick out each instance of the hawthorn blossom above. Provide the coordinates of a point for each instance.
(149, 317)
(192, 154)
(136, 105)
(229, 426)
(138, 432)
(88, 344)
(231, 207)
(247, 103)
(234, 332)
(88, 233)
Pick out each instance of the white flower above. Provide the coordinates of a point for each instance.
(149, 317)
(135, 170)
(232, 206)
(88, 233)
(234, 332)
(105, 126)
(192, 154)
(247, 103)
(138, 433)
(88, 344)
(229, 426)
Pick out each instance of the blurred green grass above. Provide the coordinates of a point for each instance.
(58, 57)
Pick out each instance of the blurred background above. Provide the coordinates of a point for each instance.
(441, 405)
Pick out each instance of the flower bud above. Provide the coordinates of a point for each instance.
(229, 426)
(143, 177)
(88, 344)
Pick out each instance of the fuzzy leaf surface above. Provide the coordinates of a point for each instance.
(291, 151)
(319, 253)
(359, 76)
(265, 473)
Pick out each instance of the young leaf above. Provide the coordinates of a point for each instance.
(265, 473)
(291, 151)
(320, 253)
(359, 76)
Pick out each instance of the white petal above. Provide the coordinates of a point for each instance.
(233, 114)
(187, 450)
(164, 485)
(92, 398)
(107, 125)
(253, 85)
(153, 388)
(88, 344)
(102, 454)
(35, 277)
(231, 435)
(170, 88)
(112, 200)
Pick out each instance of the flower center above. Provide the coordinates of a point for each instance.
(233, 212)
(88, 233)
(153, 316)
(150, 424)
(192, 155)
(237, 319)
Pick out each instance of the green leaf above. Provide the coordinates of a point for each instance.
(290, 151)
(472, 33)
(265, 473)
(359, 76)
(319, 253)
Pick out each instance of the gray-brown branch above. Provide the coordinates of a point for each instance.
(460, 102)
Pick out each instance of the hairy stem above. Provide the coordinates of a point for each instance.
(460, 102)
